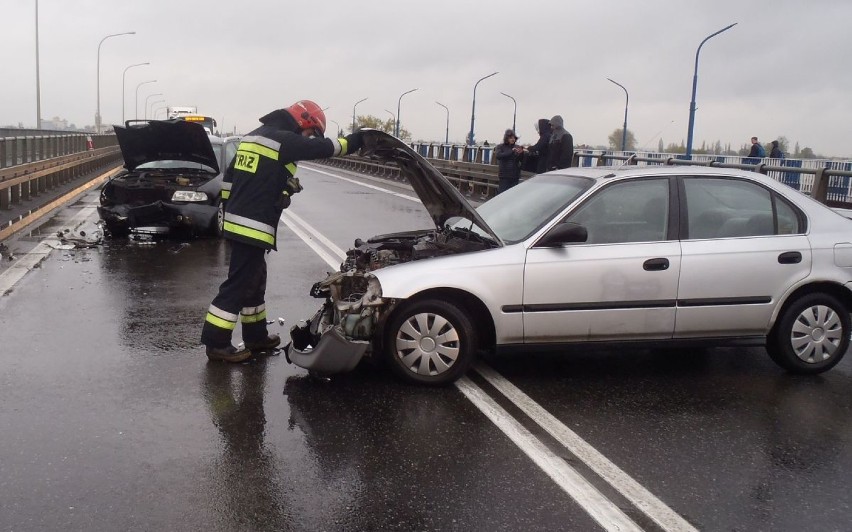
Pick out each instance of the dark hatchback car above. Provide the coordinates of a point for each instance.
(171, 180)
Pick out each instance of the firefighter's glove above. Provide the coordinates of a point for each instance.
(354, 142)
(291, 187)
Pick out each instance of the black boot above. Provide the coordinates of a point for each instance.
(228, 354)
(270, 342)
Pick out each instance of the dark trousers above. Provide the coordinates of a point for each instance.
(242, 294)
(506, 183)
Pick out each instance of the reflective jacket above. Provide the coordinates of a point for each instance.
(255, 184)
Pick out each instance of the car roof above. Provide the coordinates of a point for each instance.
(604, 172)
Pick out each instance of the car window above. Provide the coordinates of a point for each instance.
(789, 223)
(230, 153)
(634, 211)
(517, 213)
(730, 208)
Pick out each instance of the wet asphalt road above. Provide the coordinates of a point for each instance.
(112, 418)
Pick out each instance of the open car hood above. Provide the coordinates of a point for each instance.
(441, 199)
(158, 140)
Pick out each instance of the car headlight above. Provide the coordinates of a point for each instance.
(188, 195)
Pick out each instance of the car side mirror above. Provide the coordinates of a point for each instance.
(563, 233)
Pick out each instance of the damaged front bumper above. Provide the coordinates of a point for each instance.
(334, 353)
(159, 217)
(344, 330)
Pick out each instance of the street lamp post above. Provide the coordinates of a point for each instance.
(694, 86)
(147, 98)
(393, 117)
(156, 110)
(38, 81)
(98, 113)
(398, 103)
(473, 109)
(353, 113)
(338, 126)
(514, 113)
(447, 137)
(136, 104)
(155, 102)
(624, 130)
(123, 76)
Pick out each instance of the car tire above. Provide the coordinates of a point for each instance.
(430, 342)
(811, 335)
(218, 227)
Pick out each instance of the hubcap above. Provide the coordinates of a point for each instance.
(816, 334)
(427, 344)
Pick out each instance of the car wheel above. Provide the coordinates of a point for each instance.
(430, 342)
(811, 336)
(219, 222)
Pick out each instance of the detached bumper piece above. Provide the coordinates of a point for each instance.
(333, 353)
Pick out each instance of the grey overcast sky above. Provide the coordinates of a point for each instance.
(784, 69)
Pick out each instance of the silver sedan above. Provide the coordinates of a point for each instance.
(642, 256)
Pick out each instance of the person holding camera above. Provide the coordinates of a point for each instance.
(509, 157)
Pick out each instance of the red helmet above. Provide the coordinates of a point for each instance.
(308, 115)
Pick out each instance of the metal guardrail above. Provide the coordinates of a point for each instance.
(825, 184)
(42, 168)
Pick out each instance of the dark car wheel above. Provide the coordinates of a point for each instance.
(218, 227)
(811, 336)
(430, 342)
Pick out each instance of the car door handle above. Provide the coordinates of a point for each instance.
(790, 257)
(656, 264)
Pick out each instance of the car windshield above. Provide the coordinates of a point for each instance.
(518, 212)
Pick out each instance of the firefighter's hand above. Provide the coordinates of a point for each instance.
(284, 201)
(293, 186)
(354, 142)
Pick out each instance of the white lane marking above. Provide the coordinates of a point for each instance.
(643, 499)
(602, 510)
(22, 266)
(306, 238)
(328, 243)
(374, 187)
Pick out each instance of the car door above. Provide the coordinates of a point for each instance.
(743, 247)
(619, 284)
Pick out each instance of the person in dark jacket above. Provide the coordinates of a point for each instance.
(561, 146)
(775, 152)
(508, 157)
(756, 149)
(257, 187)
(539, 150)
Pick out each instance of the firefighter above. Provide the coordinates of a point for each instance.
(257, 187)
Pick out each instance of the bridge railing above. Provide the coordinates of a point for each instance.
(829, 182)
(36, 170)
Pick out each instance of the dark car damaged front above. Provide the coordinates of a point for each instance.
(171, 181)
(349, 325)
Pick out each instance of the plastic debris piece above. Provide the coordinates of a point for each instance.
(281, 321)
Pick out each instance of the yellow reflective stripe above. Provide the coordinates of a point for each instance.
(250, 233)
(226, 194)
(254, 318)
(344, 146)
(291, 168)
(258, 149)
(219, 322)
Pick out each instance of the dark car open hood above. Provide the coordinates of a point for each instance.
(158, 140)
(438, 195)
